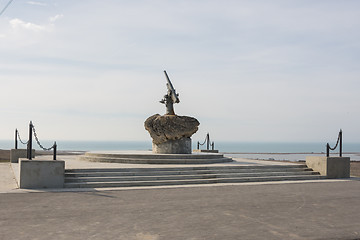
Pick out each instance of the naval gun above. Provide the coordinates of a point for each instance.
(170, 98)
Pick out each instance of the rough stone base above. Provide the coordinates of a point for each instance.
(15, 154)
(41, 173)
(180, 146)
(331, 167)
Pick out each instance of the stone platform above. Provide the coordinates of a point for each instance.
(147, 157)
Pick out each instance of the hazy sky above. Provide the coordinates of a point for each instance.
(247, 70)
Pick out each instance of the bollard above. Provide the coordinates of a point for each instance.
(340, 149)
(29, 155)
(55, 147)
(327, 150)
(16, 138)
(208, 141)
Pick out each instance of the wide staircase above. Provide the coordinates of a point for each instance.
(162, 176)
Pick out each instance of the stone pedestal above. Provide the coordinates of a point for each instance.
(331, 167)
(179, 146)
(15, 154)
(171, 133)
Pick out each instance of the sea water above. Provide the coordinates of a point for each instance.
(227, 147)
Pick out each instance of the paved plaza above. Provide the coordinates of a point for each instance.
(322, 209)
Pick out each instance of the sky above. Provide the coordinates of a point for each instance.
(249, 71)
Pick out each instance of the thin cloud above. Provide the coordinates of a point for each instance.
(37, 3)
(56, 17)
(20, 24)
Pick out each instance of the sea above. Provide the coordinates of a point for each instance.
(293, 151)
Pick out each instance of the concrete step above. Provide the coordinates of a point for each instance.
(152, 158)
(155, 172)
(150, 155)
(158, 176)
(236, 167)
(157, 161)
(190, 172)
(188, 181)
(119, 178)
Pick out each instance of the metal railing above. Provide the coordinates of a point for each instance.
(338, 142)
(208, 143)
(29, 142)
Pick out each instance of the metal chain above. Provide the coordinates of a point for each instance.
(203, 142)
(206, 138)
(38, 142)
(20, 139)
(338, 140)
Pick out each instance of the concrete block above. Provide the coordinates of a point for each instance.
(331, 167)
(15, 154)
(41, 173)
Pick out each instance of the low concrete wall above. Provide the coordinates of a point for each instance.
(15, 154)
(41, 173)
(206, 151)
(331, 167)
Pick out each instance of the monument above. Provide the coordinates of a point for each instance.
(171, 140)
(171, 133)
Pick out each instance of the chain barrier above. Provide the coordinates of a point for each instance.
(207, 140)
(339, 140)
(201, 144)
(38, 142)
(337, 143)
(29, 144)
(18, 134)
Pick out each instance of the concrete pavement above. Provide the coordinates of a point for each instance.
(324, 210)
(7, 178)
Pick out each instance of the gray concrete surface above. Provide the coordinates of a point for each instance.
(331, 167)
(41, 173)
(15, 154)
(7, 178)
(325, 209)
(273, 211)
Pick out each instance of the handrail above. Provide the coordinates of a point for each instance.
(339, 141)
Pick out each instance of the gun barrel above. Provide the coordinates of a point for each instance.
(172, 89)
(168, 80)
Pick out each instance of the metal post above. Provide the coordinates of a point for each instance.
(16, 141)
(208, 142)
(198, 145)
(327, 150)
(340, 136)
(29, 150)
(212, 145)
(55, 147)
